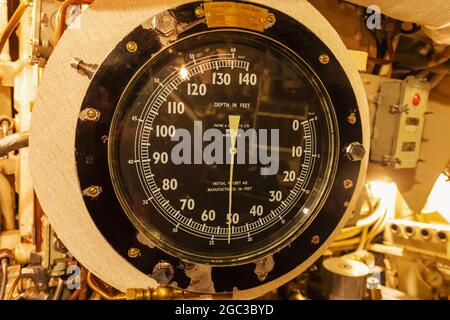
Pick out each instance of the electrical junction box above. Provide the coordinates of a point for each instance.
(399, 122)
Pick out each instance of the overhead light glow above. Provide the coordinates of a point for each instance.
(439, 198)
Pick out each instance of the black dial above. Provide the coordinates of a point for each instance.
(215, 110)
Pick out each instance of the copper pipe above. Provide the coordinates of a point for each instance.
(13, 287)
(14, 22)
(61, 16)
(94, 286)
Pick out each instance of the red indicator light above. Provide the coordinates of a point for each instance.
(416, 99)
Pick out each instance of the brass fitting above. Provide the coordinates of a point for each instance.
(159, 293)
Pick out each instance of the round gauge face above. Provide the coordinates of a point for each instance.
(223, 148)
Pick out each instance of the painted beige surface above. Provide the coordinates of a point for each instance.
(434, 15)
(61, 93)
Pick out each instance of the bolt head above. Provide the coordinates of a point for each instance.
(352, 118)
(132, 46)
(315, 240)
(93, 192)
(271, 18)
(324, 59)
(92, 114)
(165, 23)
(348, 184)
(163, 272)
(355, 151)
(134, 253)
(199, 12)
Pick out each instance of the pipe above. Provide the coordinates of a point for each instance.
(61, 17)
(4, 55)
(6, 204)
(14, 22)
(4, 278)
(13, 142)
(58, 290)
(96, 288)
(6, 257)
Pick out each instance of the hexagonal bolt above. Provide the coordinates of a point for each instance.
(163, 272)
(355, 151)
(165, 23)
(92, 192)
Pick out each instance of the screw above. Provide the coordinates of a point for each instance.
(92, 114)
(199, 12)
(324, 59)
(83, 68)
(163, 272)
(348, 184)
(271, 18)
(355, 151)
(315, 240)
(132, 46)
(134, 253)
(93, 192)
(89, 114)
(352, 118)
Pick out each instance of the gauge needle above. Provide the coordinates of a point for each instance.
(234, 126)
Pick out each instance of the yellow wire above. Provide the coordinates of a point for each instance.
(345, 243)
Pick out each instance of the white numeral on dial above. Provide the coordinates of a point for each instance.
(297, 152)
(248, 79)
(170, 184)
(289, 176)
(187, 203)
(165, 131)
(196, 90)
(275, 196)
(162, 157)
(208, 215)
(221, 79)
(232, 218)
(176, 108)
(257, 211)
